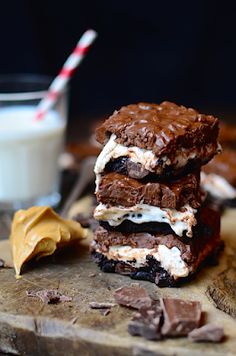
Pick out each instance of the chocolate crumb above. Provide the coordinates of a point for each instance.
(147, 323)
(74, 320)
(208, 332)
(92, 274)
(133, 296)
(180, 316)
(2, 263)
(96, 305)
(104, 312)
(49, 296)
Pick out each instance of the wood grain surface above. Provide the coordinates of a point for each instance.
(29, 327)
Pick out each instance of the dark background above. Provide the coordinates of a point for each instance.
(182, 51)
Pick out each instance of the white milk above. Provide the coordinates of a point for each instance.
(29, 152)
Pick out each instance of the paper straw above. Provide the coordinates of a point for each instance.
(60, 82)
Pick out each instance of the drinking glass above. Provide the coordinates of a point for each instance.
(29, 148)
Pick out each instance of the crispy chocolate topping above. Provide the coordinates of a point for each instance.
(208, 332)
(224, 165)
(133, 296)
(180, 317)
(161, 128)
(117, 189)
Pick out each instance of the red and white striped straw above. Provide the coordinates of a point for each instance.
(60, 82)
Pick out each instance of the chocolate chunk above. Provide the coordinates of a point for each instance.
(49, 296)
(133, 297)
(180, 317)
(208, 332)
(165, 129)
(104, 305)
(104, 312)
(117, 189)
(147, 323)
(136, 170)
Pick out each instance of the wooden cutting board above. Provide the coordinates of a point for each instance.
(29, 327)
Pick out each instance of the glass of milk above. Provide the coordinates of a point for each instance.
(29, 149)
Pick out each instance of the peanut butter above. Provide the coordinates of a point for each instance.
(38, 232)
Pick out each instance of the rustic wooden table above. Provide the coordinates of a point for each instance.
(29, 327)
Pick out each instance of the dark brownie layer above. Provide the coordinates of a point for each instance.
(165, 129)
(117, 189)
(224, 165)
(204, 237)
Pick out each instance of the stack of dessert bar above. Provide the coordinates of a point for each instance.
(153, 223)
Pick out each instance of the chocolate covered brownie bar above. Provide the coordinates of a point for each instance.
(162, 259)
(117, 189)
(219, 176)
(227, 135)
(159, 138)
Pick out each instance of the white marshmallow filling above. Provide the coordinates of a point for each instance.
(179, 221)
(169, 258)
(217, 186)
(147, 158)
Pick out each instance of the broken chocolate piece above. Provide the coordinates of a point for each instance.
(104, 312)
(106, 305)
(180, 316)
(132, 296)
(208, 332)
(49, 296)
(136, 170)
(147, 323)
